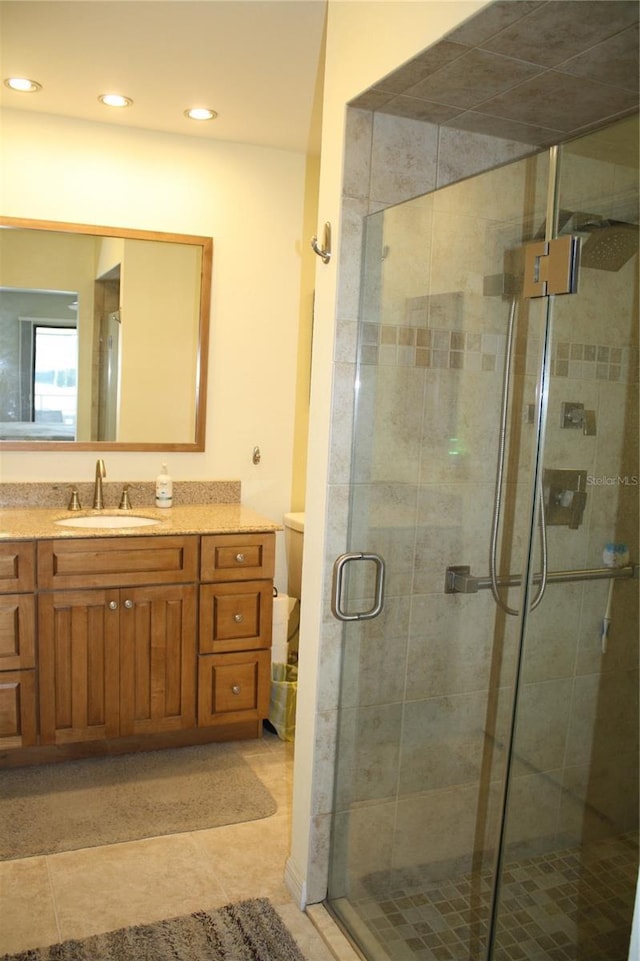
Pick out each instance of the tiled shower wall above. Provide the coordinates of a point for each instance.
(588, 754)
(388, 159)
(563, 679)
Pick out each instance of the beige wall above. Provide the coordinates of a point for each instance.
(305, 340)
(251, 201)
(158, 286)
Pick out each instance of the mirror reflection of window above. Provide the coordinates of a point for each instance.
(38, 397)
(55, 378)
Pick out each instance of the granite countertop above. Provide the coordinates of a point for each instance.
(33, 523)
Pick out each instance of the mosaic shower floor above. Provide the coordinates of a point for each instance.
(572, 905)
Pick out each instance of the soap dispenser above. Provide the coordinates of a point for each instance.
(164, 488)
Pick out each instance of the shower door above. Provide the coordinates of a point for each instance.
(481, 748)
(569, 852)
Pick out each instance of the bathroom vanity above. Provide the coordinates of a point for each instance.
(120, 639)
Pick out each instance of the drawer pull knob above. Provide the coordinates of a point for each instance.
(235, 689)
(238, 618)
(113, 605)
(128, 605)
(240, 558)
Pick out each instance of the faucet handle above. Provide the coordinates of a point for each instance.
(125, 503)
(74, 501)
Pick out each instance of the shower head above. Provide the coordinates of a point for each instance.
(609, 244)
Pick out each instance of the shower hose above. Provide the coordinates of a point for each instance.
(497, 502)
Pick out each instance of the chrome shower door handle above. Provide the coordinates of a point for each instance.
(339, 568)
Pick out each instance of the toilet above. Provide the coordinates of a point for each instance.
(286, 635)
(293, 542)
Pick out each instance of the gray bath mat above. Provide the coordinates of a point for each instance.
(247, 931)
(96, 801)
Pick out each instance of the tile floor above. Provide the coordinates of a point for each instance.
(48, 899)
(568, 905)
(44, 900)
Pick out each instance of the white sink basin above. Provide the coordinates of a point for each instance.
(108, 520)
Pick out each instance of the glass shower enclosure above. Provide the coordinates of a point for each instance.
(486, 788)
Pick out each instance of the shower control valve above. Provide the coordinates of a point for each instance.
(565, 497)
(574, 415)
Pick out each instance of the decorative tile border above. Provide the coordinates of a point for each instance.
(595, 362)
(434, 347)
(418, 344)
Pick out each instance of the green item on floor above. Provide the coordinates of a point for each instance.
(284, 692)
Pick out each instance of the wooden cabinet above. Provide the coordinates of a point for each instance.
(236, 611)
(116, 662)
(157, 640)
(17, 645)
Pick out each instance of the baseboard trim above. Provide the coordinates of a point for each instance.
(296, 885)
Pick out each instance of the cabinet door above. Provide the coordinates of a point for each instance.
(17, 709)
(17, 565)
(236, 616)
(17, 674)
(17, 632)
(78, 662)
(233, 687)
(157, 659)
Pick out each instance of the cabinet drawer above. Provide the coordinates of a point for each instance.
(237, 557)
(17, 709)
(233, 687)
(17, 631)
(17, 566)
(235, 617)
(117, 561)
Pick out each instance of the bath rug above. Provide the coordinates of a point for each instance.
(248, 931)
(105, 800)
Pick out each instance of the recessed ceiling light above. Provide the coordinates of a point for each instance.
(115, 100)
(22, 84)
(200, 113)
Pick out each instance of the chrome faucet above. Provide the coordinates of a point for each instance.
(101, 472)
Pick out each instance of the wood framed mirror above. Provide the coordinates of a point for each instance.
(104, 337)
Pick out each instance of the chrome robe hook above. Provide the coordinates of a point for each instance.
(323, 252)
